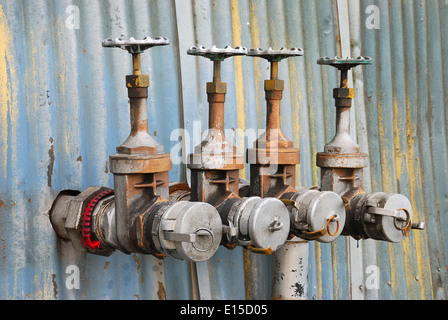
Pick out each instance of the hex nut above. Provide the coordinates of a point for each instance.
(137, 81)
(274, 85)
(343, 93)
(74, 215)
(216, 87)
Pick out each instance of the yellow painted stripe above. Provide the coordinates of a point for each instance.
(387, 176)
(258, 65)
(407, 243)
(248, 274)
(317, 259)
(384, 156)
(6, 90)
(240, 101)
(295, 107)
(414, 181)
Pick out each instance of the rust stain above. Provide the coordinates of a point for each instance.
(106, 265)
(79, 159)
(138, 262)
(161, 293)
(55, 286)
(51, 164)
(2, 204)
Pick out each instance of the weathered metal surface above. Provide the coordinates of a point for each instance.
(61, 115)
(401, 101)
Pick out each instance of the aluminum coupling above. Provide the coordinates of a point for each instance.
(184, 230)
(316, 215)
(261, 225)
(380, 216)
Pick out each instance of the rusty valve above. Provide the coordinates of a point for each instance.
(314, 215)
(273, 150)
(137, 216)
(380, 216)
(259, 225)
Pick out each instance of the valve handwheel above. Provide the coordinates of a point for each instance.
(134, 46)
(86, 218)
(217, 54)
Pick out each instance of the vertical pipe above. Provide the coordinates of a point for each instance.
(138, 115)
(136, 64)
(290, 278)
(216, 100)
(217, 71)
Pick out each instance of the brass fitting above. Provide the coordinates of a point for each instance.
(274, 85)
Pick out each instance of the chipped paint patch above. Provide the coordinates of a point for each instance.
(138, 261)
(161, 293)
(55, 286)
(50, 167)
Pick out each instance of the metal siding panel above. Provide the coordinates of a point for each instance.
(323, 278)
(400, 142)
(437, 122)
(401, 88)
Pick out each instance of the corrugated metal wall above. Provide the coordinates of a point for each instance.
(64, 109)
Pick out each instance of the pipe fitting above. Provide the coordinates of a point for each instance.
(380, 216)
(261, 224)
(72, 217)
(184, 230)
(316, 215)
